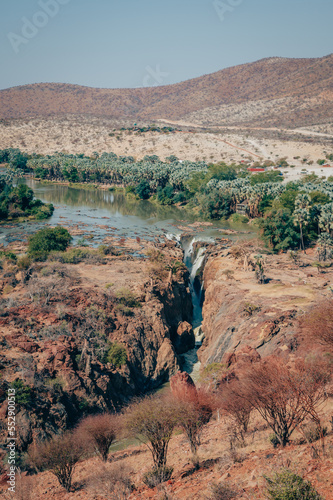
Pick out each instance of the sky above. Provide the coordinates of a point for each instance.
(139, 43)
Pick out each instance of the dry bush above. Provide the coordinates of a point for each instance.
(221, 491)
(317, 324)
(158, 272)
(233, 403)
(100, 431)
(153, 420)
(284, 396)
(43, 290)
(24, 488)
(59, 455)
(193, 410)
(114, 482)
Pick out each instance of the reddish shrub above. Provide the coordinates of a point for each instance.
(317, 324)
(283, 395)
(60, 456)
(100, 431)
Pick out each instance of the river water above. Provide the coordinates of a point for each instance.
(94, 214)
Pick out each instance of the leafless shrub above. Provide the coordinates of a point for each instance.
(59, 455)
(221, 491)
(100, 431)
(43, 290)
(194, 410)
(153, 419)
(283, 395)
(236, 405)
(113, 482)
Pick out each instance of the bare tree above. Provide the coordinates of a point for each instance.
(233, 403)
(193, 413)
(284, 396)
(59, 455)
(153, 420)
(42, 290)
(101, 431)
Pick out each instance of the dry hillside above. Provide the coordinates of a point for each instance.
(273, 91)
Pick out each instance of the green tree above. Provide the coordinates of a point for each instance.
(47, 240)
(301, 214)
(264, 177)
(278, 230)
(23, 393)
(116, 355)
(143, 189)
(22, 196)
(325, 247)
(216, 205)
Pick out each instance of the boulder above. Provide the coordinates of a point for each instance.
(185, 338)
(182, 386)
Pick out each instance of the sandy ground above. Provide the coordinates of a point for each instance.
(83, 135)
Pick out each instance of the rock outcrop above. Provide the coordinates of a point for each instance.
(239, 313)
(58, 350)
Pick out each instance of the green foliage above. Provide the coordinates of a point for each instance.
(250, 308)
(116, 355)
(286, 485)
(23, 393)
(165, 195)
(319, 198)
(278, 230)
(143, 189)
(263, 177)
(9, 256)
(236, 218)
(77, 255)
(47, 240)
(274, 440)
(265, 203)
(14, 157)
(215, 206)
(19, 202)
(221, 171)
(287, 199)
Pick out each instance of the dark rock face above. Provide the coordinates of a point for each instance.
(185, 339)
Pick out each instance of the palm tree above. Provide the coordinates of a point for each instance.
(301, 214)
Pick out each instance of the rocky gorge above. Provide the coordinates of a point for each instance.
(59, 320)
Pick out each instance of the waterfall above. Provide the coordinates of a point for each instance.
(194, 262)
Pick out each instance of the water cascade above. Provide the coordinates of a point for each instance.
(194, 259)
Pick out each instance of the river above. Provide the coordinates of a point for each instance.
(94, 214)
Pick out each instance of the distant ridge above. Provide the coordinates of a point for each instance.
(271, 92)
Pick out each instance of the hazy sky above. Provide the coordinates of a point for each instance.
(135, 43)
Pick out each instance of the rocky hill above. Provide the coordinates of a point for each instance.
(271, 92)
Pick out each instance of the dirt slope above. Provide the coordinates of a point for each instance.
(300, 88)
